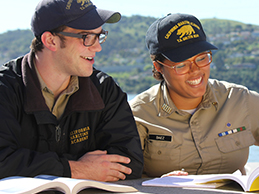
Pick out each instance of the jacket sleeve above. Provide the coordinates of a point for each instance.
(117, 131)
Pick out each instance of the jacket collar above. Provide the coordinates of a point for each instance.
(87, 98)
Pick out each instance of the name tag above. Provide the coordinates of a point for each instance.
(160, 137)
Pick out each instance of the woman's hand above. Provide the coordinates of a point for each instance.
(176, 173)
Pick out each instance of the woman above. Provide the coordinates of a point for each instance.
(189, 121)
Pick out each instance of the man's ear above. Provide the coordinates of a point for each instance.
(157, 66)
(49, 41)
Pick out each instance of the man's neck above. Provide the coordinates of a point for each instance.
(55, 80)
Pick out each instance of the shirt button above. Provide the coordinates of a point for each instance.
(194, 123)
(159, 152)
(237, 143)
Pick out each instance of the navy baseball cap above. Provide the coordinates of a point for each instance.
(78, 14)
(177, 37)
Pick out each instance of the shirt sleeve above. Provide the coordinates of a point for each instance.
(253, 107)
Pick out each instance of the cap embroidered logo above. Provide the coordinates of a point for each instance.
(83, 1)
(185, 30)
(84, 4)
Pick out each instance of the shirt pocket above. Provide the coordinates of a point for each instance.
(236, 141)
(161, 150)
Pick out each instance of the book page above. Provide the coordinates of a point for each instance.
(175, 181)
(253, 180)
(208, 181)
(26, 185)
(76, 185)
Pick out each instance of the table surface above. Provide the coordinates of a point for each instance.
(232, 188)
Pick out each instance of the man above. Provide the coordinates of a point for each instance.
(58, 115)
(189, 121)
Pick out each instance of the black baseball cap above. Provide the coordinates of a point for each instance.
(78, 14)
(177, 37)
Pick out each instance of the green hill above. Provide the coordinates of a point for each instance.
(126, 58)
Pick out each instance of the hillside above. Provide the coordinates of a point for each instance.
(125, 57)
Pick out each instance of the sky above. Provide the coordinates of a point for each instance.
(16, 14)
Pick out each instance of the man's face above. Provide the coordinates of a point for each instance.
(73, 58)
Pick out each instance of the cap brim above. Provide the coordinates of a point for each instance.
(109, 16)
(185, 52)
(94, 19)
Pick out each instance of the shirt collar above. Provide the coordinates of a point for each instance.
(167, 107)
(209, 97)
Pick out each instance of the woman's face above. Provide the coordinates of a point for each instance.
(187, 87)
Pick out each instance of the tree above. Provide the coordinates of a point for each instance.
(219, 60)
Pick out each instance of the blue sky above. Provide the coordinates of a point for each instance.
(16, 14)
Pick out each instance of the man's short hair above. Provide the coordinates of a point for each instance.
(37, 45)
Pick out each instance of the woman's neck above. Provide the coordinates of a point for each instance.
(184, 103)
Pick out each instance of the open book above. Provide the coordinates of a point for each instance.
(26, 185)
(247, 182)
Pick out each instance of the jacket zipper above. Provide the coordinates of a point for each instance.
(58, 133)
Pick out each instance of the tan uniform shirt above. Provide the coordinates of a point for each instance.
(215, 139)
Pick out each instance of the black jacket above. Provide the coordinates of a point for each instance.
(33, 141)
